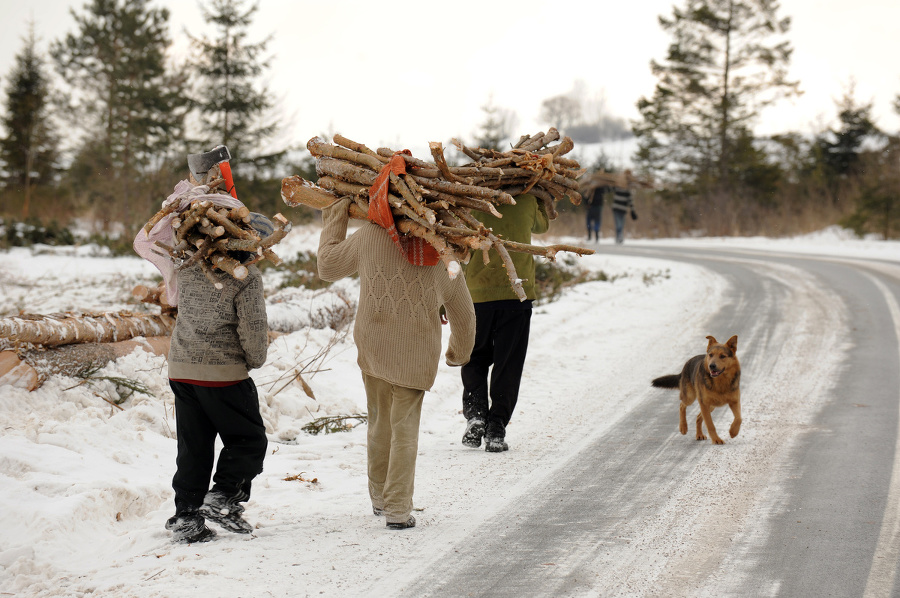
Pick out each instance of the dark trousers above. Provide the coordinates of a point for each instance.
(201, 413)
(593, 224)
(501, 342)
(619, 216)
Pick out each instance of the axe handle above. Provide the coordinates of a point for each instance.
(225, 168)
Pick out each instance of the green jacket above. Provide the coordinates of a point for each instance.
(490, 282)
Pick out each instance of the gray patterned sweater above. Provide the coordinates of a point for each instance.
(219, 334)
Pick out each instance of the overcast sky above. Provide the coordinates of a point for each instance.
(403, 74)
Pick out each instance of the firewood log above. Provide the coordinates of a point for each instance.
(154, 296)
(205, 232)
(30, 368)
(432, 200)
(67, 328)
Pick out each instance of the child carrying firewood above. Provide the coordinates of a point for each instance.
(220, 334)
(398, 339)
(210, 244)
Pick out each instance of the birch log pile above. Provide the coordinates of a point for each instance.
(72, 328)
(433, 200)
(39, 346)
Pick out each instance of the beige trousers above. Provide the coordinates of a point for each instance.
(393, 442)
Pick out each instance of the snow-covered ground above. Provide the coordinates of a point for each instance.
(85, 485)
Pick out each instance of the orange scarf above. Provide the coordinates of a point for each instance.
(417, 251)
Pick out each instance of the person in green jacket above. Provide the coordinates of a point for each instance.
(502, 325)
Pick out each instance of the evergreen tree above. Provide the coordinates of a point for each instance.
(839, 151)
(859, 163)
(29, 148)
(496, 127)
(233, 109)
(878, 196)
(722, 68)
(127, 104)
(116, 63)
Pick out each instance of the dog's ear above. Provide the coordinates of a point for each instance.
(712, 341)
(732, 344)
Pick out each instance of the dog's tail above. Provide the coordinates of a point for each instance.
(667, 381)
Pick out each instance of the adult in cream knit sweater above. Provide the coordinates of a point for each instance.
(398, 340)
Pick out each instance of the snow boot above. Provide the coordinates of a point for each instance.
(225, 511)
(494, 439)
(188, 527)
(411, 522)
(474, 433)
(495, 444)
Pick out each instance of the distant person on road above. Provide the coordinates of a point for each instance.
(622, 205)
(594, 204)
(398, 340)
(502, 325)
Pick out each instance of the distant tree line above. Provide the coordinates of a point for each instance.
(109, 142)
(728, 60)
(711, 173)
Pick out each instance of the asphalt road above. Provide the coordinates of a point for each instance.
(805, 502)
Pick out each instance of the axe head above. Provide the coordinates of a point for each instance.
(199, 164)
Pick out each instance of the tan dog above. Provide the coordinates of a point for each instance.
(713, 380)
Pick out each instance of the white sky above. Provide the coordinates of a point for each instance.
(422, 72)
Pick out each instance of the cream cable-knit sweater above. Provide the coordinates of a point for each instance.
(398, 323)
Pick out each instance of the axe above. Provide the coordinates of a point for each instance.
(200, 164)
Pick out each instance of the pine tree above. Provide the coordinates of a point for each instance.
(723, 66)
(29, 149)
(878, 194)
(233, 108)
(858, 163)
(496, 127)
(116, 63)
(126, 102)
(840, 150)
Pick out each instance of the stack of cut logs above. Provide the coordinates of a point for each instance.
(432, 200)
(205, 233)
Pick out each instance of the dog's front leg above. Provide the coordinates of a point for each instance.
(706, 413)
(736, 424)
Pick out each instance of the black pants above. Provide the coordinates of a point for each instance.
(201, 413)
(501, 342)
(593, 224)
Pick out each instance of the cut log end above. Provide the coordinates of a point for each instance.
(453, 269)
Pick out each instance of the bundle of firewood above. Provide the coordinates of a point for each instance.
(432, 200)
(622, 180)
(207, 232)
